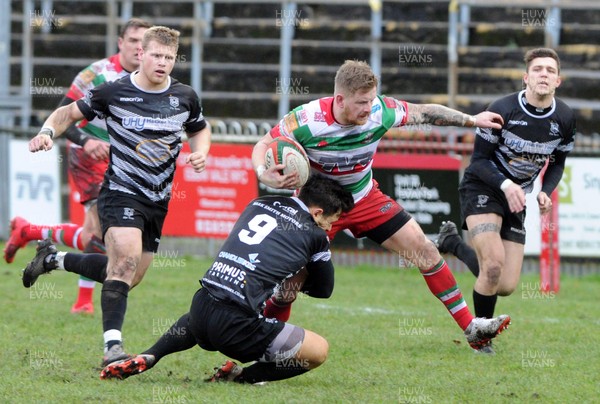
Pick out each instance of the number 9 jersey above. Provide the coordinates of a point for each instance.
(272, 240)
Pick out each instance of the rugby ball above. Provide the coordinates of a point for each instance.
(283, 150)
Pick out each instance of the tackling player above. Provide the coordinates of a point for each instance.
(274, 238)
(340, 135)
(538, 129)
(88, 160)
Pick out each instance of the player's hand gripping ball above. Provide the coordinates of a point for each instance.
(283, 150)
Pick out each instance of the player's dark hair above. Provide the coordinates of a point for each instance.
(541, 53)
(133, 23)
(327, 194)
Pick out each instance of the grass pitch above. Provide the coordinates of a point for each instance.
(390, 341)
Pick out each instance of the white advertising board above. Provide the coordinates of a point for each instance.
(578, 211)
(34, 183)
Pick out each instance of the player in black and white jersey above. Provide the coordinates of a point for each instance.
(538, 129)
(87, 160)
(274, 239)
(146, 114)
(286, 222)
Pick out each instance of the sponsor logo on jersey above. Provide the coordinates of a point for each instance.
(303, 117)
(140, 123)
(515, 122)
(153, 150)
(385, 207)
(227, 272)
(134, 122)
(516, 144)
(319, 116)
(290, 123)
(389, 102)
(87, 76)
(351, 163)
(239, 260)
(286, 208)
(131, 99)
(375, 108)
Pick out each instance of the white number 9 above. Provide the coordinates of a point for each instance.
(261, 226)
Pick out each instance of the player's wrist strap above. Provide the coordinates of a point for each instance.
(48, 130)
(505, 184)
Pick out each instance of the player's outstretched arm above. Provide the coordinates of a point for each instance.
(440, 115)
(54, 126)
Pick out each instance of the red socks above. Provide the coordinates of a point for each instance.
(443, 285)
(279, 311)
(65, 233)
(84, 297)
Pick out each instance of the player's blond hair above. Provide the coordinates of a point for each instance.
(163, 35)
(353, 76)
(540, 53)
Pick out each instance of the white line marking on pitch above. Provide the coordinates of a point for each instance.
(366, 310)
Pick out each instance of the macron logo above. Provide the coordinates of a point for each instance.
(520, 123)
(131, 99)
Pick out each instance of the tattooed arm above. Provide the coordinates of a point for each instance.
(440, 115)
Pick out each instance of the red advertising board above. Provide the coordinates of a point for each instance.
(205, 204)
(208, 204)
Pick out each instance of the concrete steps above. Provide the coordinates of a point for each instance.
(241, 56)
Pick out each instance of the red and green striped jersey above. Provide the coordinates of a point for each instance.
(108, 69)
(342, 152)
